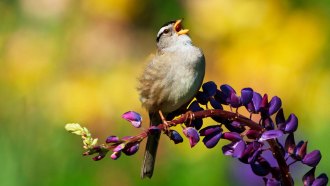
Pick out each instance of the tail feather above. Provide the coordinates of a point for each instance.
(151, 148)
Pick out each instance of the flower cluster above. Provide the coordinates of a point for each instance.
(248, 139)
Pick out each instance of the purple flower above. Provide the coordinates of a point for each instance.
(260, 167)
(209, 88)
(212, 135)
(209, 130)
(234, 126)
(197, 123)
(300, 150)
(234, 149)
(220, 97)
(232, 136)
(99, 157)
(270, 134)
(255, 155)
(309, 179)
(280, 120)
(202, 98)
(271, 182)
(112, 139)
(119, 147)
(321, 180)
(268, 123)
(227, 90)
(211, 140)
(290, 144)
(115, 155)
(254, 105)
(229, 95)
(291, 124)
(192, 134)
(264, 105)
(253, 134)
(215, 104)
(251, 152)
(246, 95)
(175, 136)
(274, 105)
(312, 158)
(194, 107)
(133, 117)
(131, 149)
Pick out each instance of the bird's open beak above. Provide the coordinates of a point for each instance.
(178, 27)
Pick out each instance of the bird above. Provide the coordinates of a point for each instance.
(169, 82)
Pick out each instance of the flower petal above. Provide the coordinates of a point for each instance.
(99, 157)
(270, 134)
(291, 123)
(246, 95)
(290, 144)
(220, 97)
(211, 140)
(215, 104)
(227, 90)
(133, 117)
(112, 139)
(321, 180)
(235, 101)
(192, 134)
(119, 147)
(197, 123)
(300, 150)
(175, 136)
(228, 149)
(260, 168)
(252, 134)
(256, 99)
(131, 149)
(209, 130)
(264, 102)
(209, 88)
(232, 136)
(312, 158)
(202, 98)
(115, 155)
(268, 123)
(309, 177)
(271, 182)
(194, 107)
(274, 105)
(239, 148)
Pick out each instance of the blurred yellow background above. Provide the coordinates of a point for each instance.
(68, 61)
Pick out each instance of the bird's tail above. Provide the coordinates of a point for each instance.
(151, 148)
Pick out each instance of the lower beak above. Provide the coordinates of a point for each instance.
(178, 28)
(184, 31)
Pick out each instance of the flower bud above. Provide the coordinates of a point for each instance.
(133, 117)
(192, 134)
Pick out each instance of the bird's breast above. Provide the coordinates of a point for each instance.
(184, 79)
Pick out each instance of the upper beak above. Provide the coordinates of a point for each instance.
(178, 27)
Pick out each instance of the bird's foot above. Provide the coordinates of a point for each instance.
(166, 127)
(190, 116)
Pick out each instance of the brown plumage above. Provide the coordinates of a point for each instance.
(169, 81)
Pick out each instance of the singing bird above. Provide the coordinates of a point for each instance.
(169, 82)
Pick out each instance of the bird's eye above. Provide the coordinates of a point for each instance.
(166, 31)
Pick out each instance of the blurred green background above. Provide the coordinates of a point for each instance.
(68, 61)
